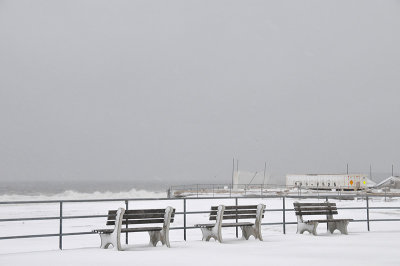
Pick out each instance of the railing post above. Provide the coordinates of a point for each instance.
(367, 213)
(237, 231)
(284, 215)
(126, 225)
(61, 231)
(184, 219)
(327, 227)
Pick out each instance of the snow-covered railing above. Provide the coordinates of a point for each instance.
(212, 190)
(185, 213)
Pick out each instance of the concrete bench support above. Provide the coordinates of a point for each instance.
(215, 231)
(113, 238)
(339, 225)
(254, 230)
(163, 235)
(310, 227)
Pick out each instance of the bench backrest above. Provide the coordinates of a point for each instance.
(240, 212)
(146, 216)
(324, 208)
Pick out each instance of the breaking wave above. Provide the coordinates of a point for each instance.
(74, 195)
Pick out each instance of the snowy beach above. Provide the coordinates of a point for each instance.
(377, 247)
(357, 248)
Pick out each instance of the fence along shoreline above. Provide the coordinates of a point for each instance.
(186, 213)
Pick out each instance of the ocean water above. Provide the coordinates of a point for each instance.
(46, 190)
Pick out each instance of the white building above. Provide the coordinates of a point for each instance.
(329, 181)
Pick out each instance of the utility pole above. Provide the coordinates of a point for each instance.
(370, 171)
(347, 168)
(233, 171)
(265, 169)
(392, 169)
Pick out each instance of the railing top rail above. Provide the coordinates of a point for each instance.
(228, 185)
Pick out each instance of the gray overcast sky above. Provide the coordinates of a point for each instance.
(172, 90)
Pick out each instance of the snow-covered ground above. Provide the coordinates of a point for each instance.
(378, 247)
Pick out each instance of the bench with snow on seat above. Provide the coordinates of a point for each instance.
(326, 208)
(221, 213)
(120, 217)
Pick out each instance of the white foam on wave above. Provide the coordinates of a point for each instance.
(74, 195)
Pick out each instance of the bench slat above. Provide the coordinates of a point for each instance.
(231, 217)
(141, 229)
(204, 225)
(138, 211)
(313, 204)
(236, 212)
(147, 221)
(316, 208)
(325, 208)
(328, 221)
(138, 216)
(236, 224)
(236, 207)
(124, 230)
(224, 225)
(316, 213)
(103, 231)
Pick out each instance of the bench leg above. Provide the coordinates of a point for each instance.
(209, 233)
(339, 225)
(110, 239)
(309, 227)
(165, 238)
(251, 230)
(154, 237)
(343, 227)
(332, 226)
(159, 236)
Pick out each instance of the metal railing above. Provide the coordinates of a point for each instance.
(185, 213)
(213, 190)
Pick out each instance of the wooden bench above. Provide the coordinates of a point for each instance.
(327, 209)
(220, 213)
(120, 217)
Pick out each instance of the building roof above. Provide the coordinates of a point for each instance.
(392, 180)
